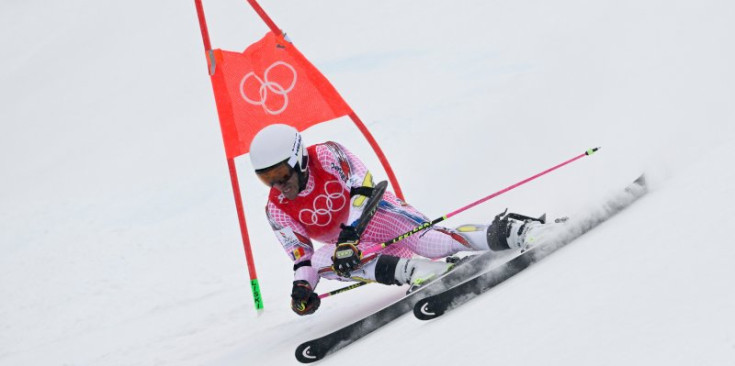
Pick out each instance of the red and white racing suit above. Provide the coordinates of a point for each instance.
(325, 203)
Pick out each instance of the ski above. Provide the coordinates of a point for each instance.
(434, 305)
(318, 348)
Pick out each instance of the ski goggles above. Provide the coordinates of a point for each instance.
(279, 174)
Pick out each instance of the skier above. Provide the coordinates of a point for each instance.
(319, 192)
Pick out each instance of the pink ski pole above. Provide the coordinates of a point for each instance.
(427, 225)
(369, 253)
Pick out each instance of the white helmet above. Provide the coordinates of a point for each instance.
(277, 143)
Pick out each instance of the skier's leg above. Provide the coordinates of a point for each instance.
(436, 243)
(395, 218)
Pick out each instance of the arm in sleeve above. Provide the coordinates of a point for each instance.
(351, 171)
(295, 242)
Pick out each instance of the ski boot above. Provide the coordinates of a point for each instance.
(511, 231)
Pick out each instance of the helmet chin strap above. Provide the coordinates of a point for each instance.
(303, 172)
(303, 179)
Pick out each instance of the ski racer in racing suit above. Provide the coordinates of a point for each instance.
(319, 192)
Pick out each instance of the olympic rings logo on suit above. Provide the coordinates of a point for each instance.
(324, 206)
(266, 85)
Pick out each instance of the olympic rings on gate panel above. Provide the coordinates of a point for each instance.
(268, 85)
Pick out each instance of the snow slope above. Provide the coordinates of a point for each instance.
(118, 233)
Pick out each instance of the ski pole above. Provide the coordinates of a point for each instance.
(343, 289)
(369, 253)
(427, 225)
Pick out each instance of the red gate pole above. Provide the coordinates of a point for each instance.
(263, 15)
(255, 286)
(379, 152)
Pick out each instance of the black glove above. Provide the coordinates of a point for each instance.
(303, 299)
(347, 256)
